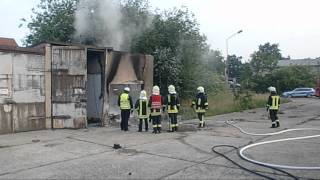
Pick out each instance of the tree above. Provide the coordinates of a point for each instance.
(288, 78)
(182, 56)
(245, 75)
(265, 59)
(178, 31)
(214, 61)
(234, 67)
(167, 69)
(52, 21)
(55, 20)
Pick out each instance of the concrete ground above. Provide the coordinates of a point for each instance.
(88, 153)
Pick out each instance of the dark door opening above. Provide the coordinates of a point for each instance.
(95, 87)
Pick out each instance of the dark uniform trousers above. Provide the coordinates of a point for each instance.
(174, 121)
(141, 122)
(274, 116)
(156, 122)
(125, 114)
(201, 119)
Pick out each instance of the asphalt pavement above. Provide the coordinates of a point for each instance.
(187, 154)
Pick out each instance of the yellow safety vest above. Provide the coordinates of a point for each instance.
(171, 109)
(275, 103)
(124, 101)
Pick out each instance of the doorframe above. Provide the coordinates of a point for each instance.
(103, 52)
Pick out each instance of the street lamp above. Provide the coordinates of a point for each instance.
(227, 49)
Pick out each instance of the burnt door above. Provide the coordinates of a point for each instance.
(69, 77)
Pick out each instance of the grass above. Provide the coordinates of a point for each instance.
(224, 103)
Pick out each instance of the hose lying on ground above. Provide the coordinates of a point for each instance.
(242, 150)
(244, 168)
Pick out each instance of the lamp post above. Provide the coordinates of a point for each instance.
(227, 52)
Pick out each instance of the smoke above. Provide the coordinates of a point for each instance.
(102, 23)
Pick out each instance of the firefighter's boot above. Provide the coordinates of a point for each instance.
(154, 130)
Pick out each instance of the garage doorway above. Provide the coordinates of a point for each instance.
(95, 86)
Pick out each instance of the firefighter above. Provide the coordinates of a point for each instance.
(200, 105)
(273, 107)
(125, 104)
(172, 105)
(142, 108)
(156, 105)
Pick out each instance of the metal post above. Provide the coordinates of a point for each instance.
(227, 52)
(226, 74)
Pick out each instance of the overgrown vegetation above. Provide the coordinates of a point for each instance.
(225, 102)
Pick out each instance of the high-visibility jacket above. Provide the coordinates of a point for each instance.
(155, 104)
(274, 102)
(200, 103)
(172, 103)
(125, 101)
(142, 108)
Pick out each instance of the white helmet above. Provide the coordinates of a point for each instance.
(172, 89)
(127, 89)
(272, 89)
(143, 95)
(200, 89)
(156, 90)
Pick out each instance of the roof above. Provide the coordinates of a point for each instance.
(299, 62)
(53, 43)
(8, 42)
(22, 50)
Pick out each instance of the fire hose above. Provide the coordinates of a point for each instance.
(242, 150)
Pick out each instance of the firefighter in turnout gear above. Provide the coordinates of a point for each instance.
(142, 108)
(200, 105)
(172, 105)
(125, 104)
(273, 107)
(156, 105)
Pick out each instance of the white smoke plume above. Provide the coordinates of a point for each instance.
(99, 22)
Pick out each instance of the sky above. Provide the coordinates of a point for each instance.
(293, 24)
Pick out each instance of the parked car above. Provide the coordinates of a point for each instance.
(233, 84)
(300, 92)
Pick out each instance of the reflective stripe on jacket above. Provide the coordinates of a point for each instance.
(275, 102)
(155, 104)
(142, 108)
(172, 104)
(200, 103)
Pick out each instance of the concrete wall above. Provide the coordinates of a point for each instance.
(132, 70)
(22, 93)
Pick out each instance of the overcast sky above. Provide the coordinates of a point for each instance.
(293, 24)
